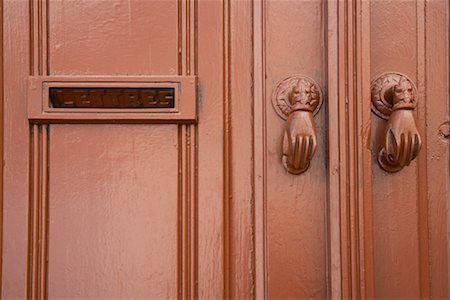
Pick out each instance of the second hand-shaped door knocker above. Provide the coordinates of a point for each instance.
(394, 99)
(297, 98)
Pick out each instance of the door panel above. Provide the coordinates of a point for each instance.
(296, 205)
(394, 197)
(111, 197)
(16, 145)
(405, 213)
(113, 37)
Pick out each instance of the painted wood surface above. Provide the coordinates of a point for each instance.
(207, 210)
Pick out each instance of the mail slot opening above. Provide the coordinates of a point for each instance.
(112, 97)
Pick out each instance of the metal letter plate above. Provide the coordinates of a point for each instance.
(146, 99)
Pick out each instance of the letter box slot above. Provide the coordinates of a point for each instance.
(112, 97)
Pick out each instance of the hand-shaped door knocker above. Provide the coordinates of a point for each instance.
(298, 98)
(394, 99)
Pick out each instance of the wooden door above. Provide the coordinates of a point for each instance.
(165, 167)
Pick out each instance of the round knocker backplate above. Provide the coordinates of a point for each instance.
(281, 94)
(381, 101)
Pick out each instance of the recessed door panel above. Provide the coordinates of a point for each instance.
(395, 196)
(113, 37)
(113, 211)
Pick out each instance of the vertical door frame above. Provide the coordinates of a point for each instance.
(350, 250)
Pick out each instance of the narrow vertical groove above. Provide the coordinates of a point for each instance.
(39, 36)
(39, 221)
(35, 35)
(227, 195)
(185, 205)
(355, 159)
(188, 213)
(31, 36)
(180, 214)
(188, 37)
(181, 175)
(34, 193)
(195, 218)
(38, 214)
(39, 59)
(342, 144)
(422, 166)
(195, 37)
(31, 194)
(46, 50)
(253, 165)
(33, 217)
(194, 236)
(2, 97)
(328, 241)
(43, 211)
(347, 156)
(42, 36)
(192, 218)
(264, 152)
(185, 215)
(180, 36)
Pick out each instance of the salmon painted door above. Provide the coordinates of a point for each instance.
(225, 149)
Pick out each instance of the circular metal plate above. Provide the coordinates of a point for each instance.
(381, 103)
(280, 95)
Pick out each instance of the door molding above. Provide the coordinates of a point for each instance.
(350, 162)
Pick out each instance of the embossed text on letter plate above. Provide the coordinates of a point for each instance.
(112, 97)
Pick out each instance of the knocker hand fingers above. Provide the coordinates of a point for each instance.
(416, 145)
